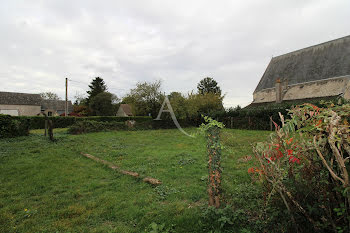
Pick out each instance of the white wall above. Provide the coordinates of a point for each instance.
(23, 110)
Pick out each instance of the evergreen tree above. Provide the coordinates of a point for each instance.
(208, 85)
(97, 86)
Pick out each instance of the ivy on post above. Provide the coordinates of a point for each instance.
(212, 132)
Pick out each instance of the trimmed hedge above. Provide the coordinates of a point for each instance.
(255, 119)
(88, 126)
(81, 127)
(12, 127)
(38, 122)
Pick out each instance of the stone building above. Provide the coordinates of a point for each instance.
(316, 72)
(20, 104)
(124, 110)
(23, 104)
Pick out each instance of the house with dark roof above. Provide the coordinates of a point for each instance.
(24, 104)
(317, 72)
(55, 107)
(20, 104)
(124, 110)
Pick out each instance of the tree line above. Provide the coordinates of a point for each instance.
(146, 99)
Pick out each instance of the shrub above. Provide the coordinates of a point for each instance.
(224, 220)
(304, 169)
(11, 127)
(81, 127)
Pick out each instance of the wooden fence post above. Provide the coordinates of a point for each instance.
(231, 118)
(270, 123)
(50, 130)
(45, 127)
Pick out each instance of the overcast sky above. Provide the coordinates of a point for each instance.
(179, 42)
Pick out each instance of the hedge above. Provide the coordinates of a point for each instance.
(258, 118)
(88, 126)
(38, 122)
(255, 119)
(12, 127)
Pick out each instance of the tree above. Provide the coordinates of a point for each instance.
(179, 104)
(146, 98)
(231, 110)
(97, 86)
(49, 96)
(208, 85)
(207, 104)
(103, 104)
(80, 99)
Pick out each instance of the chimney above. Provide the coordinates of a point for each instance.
(278, 91)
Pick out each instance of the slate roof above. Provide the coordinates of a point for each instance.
(323, 61)
(13, 98)
(57, 105)
(127, 109)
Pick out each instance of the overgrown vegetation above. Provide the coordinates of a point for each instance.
(212, 133)
(304, 170)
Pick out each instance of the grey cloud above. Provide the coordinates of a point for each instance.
(179, 42)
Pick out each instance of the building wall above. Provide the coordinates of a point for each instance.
(24, 110)
(347, 91)
(266, 95)
(53, 112)
(323, 88)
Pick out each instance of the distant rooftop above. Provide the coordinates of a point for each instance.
(14, 98)
(318, 62)
(127, 109)
(57, 105)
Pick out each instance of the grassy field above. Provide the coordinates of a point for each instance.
(51, 187)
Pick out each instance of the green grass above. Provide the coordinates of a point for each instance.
(50, 187)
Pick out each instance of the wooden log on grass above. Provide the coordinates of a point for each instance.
(149, 180)
(152, 181)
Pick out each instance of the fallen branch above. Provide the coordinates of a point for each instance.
(149, 180)
(152, 181)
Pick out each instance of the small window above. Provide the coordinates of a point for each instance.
(49, 113)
